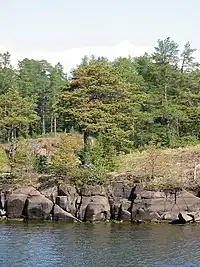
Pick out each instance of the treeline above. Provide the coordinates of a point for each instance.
(129, 102)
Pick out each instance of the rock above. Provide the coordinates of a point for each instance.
(5, 191)
(94, 208)
(120, 190)
(187, 218)
(180, 220)
(154, 216)
(65, 190)
(115, 211)
(183, 218)
(121, 210)
(187, 201)
(50, 193)
(169, 216)
(140, 215)
(27, 190)
(167, 207)
(2, 213)
(15, 205)
(90, 190)
(38, 207)
(82, 207)
(197, 219)
(67, 198)
(2, 200)
(124, 215)
(68, 203)
(145, 194)
(157, 205)
(59, 214)
(95, 212)
(16, 201)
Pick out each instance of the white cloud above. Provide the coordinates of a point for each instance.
(71, 57)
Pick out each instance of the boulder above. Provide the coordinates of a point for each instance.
(91, 190)
(38, 207)
(16, 201)
(187, 201)
(95, 212)
(15, 205)
(140, 215)
(83, 203)
(187, 217)
(167, 206)
(121, 190)
(65, 190)
(115, 210)
(146, 194)
(124, 215)
(94, 208)
(120, 209)
(181, 219)
(2, 213)
(50, 193)
(59, 214)
(67, 203)
(2, 200)
(169, 216)
(27, 190)
(67, 198)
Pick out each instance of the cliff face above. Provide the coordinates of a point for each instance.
(119, 201)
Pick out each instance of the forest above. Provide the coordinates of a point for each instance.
(125, 104)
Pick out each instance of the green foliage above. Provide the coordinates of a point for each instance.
(41, 164)
(64, 160)
(97, 99)
(20, 159)
(16, 113)
(101, 159)
(127, 104)
(3, 161)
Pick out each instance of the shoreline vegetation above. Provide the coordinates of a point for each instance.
(128, 128)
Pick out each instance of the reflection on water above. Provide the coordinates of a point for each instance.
(109, 245)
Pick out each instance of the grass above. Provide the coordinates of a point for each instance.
(163, 167)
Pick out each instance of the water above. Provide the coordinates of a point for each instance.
(105, 245)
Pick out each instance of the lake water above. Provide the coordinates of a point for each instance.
(105, 245)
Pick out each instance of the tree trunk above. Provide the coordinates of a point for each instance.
(12, 134)
(165, 93)
(31, 130)
(52, 123)
(43, 121)
(86, 140)
(55, 125)
(8, 136)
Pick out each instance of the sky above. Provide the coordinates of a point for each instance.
(66, 30)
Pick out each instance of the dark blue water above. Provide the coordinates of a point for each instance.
(109, 245)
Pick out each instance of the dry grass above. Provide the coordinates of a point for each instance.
(163, 168)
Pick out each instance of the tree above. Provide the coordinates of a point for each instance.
(16, 113)
(97, 100)
(187, 58)
(20, 159)
(8, 77)
(166, 58)
(65, 160)
(58, 80)
(34, 82)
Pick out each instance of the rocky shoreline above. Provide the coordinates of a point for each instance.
(116, 202)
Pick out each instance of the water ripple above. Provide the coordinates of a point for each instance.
(50, 245)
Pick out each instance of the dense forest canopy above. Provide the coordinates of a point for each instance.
(129, 101)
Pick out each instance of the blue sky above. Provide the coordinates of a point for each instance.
(65, 30)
